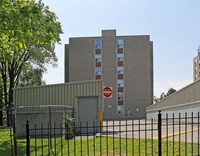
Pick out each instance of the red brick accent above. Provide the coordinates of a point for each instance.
(120, 89)
(120, 102)
(98, 64)
(98, 77)
(120, 63)
(97, 51)
(120, 50)
(120, 76)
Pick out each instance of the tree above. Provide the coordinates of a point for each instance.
(170, 91)
(29, 32)
(162, 96)
(30, 77)
(155, 99)
(1, 104)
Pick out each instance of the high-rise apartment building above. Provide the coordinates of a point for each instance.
(124, 63)
(196, 69)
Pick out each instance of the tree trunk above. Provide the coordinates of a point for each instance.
(1, 106)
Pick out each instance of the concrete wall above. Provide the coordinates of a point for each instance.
(186, 100)
(138, 70)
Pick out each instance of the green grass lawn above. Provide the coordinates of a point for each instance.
(102, 146)
(4, 128)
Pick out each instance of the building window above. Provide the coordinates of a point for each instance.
(98, 70)
(97, 44)
(120, 109)
(120, 70)
(120, 43)
(98, 58)
(120, 57)
(120, 95)
(120, 76)
(120, 83)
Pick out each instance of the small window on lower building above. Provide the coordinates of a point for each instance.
(120, 83)
(120, 95)
(120, 57)
(98, 58)
(98, 70)
(120, 70)
(120, 109)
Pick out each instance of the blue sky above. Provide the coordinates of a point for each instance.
(173, 26)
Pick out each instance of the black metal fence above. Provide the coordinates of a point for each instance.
(167, 135)
(12, 137)
(8, 139)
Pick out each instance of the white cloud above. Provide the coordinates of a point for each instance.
(165, 86)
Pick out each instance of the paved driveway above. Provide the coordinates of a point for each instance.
(148, 129)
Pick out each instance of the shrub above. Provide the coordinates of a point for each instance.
(69, 127)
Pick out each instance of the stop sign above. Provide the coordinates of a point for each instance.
(107, 92)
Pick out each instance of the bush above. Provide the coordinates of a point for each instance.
(69, 127)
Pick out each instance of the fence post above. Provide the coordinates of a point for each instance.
(27, 139)
(14, 128)
(159, 133)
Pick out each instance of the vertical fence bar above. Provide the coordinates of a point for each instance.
(192, 133)
(35, 141)
(107, 136)
(48, 139)
(55, 137)
(94, 136)
(11, 139)
(113, 138)
(50, 126)
(173, 132)
(81, 138)
(68, 137)
(61, 133)
(186, 134)
(100, 123)
(145, 136)
(74, 131)
(87, 141)
(27, 139)
(14, 129)
(126, 140)
(42, 139)
(139, 136)
(159, 133)
(167, 122)
(120, 137)
(133, 137)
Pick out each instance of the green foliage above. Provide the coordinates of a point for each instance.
(69, 127)
(170, 91)
(29, 32)
(30, 77)
(163, 95)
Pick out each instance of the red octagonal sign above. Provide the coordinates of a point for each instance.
(107, 92)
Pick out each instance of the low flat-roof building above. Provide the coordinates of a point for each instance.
(49, 104)
(186, 100)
